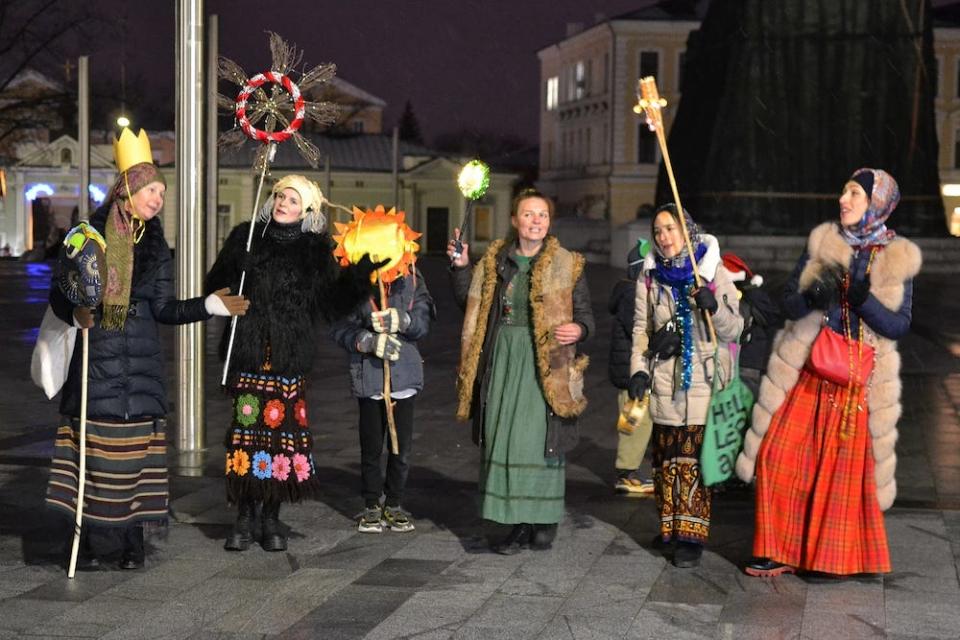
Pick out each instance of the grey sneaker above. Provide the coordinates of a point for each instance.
(396, 519)
(370, 521)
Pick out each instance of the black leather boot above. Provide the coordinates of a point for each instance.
(516, 541)
(543, 536)
(133, 552)
(241, 537)
(687, 555)
(273, 538)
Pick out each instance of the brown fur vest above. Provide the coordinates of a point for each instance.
(560, 369)
(898, 262)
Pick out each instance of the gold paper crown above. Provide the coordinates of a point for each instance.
(129, 150)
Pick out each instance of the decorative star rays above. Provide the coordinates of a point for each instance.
(273, 99)
(384, 235)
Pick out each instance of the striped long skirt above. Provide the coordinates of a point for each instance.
(126, 472)
(817, 504)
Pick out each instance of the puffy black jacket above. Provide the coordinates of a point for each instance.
(621, 306)
(126, 378)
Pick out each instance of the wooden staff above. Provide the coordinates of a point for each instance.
(650, 102)
(268, 158)
(391, 423)
(82, 473)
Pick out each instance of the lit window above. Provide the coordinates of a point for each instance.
(580, 80)
(553, 92)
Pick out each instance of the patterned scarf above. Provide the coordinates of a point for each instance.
(884, 197)
(122, 232)
(679, 277)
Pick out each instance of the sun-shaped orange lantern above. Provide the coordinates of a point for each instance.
(382, 234)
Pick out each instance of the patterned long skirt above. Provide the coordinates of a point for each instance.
(817, 504)
(269, 444)
(682, 499)
(126, 472)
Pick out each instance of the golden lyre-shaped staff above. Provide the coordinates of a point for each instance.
(650, 103)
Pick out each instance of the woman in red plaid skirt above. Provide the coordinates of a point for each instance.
(822, 440)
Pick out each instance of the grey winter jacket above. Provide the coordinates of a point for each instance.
(409, 295)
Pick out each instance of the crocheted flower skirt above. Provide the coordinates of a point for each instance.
(269, 445)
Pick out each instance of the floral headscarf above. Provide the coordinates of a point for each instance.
(884, 195)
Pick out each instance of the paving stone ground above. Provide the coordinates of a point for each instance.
(602, 579)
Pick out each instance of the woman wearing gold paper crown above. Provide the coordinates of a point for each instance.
(292, 280)
(126, 484)
(521, 378)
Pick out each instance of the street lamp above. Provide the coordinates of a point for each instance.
(123, 121)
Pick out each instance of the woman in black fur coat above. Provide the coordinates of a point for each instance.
(292, 281)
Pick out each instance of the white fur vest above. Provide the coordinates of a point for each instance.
(898, 262)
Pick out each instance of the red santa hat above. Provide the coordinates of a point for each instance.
(739, 270)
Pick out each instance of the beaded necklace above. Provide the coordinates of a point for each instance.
(853, 390)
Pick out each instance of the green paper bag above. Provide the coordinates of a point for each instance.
(728, 416)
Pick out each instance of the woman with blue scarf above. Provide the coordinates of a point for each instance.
(673, 358)
(821, 442)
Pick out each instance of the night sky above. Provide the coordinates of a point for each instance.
(461, 63)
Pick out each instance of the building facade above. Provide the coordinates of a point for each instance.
(45, 181)
(597, 157)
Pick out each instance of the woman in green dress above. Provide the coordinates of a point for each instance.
(520, 378)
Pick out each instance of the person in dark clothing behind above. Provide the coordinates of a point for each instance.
(632, 438)
(761, 319)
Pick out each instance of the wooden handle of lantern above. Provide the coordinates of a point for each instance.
(387, 399)
(652, 104)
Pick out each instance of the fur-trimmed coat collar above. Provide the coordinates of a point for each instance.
(898, 262)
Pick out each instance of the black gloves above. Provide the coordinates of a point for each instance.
(858, 291)
(665, 343)
(705, 299)
(822, 292)
(365, 267)
(638, 385)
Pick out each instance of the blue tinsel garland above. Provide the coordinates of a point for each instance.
(685, 316)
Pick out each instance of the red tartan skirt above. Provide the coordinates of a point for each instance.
(816, 494)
